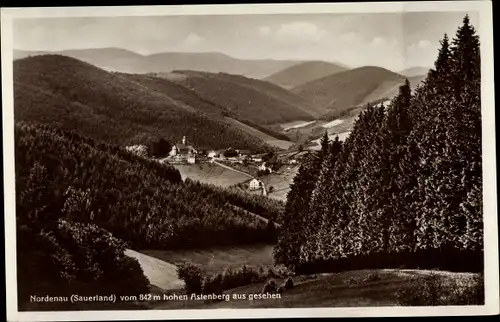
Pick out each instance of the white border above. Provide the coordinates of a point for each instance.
(485, 29)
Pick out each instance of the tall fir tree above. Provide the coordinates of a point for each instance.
(296, 215)
(408, 178)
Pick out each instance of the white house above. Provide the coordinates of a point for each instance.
(212, 154)
(257, 157)
(191, 159)
(264, 167)
(255, 184)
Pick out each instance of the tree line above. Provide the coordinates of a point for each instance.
(405, 188)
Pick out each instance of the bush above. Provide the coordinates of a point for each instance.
(232, 278)
(213, 284)
(73, 258)
(192, 275)
(270, 287)
(372, 277)
(351, 281)
(271, 273)
(288, 284)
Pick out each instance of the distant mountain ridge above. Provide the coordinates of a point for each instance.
(305, 72)
(112, 107)
(121, 60)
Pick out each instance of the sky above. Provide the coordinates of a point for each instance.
(395, 41)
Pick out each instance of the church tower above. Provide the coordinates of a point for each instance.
(184, 140)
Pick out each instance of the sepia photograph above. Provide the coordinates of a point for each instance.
(214, 161)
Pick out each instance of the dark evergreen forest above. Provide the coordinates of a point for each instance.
(81, 202)
(405, 188)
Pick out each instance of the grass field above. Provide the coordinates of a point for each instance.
(211, 174)
(346, 289)
(214, 260)
(161, 274)
(280, 182)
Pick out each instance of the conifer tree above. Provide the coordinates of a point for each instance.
(408, 178)
(292, 233)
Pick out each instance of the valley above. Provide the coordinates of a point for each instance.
(201, 173)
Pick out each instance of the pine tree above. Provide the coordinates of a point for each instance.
(325, 143)
(297, 217)
(408, 178)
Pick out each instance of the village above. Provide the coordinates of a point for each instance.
(255, 166)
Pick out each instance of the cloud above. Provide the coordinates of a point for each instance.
(193, 40)
(378, 41)
(424, 43)
(297, 32)
(350, 37)
(383, 43)
(264, 30)
(420, 45)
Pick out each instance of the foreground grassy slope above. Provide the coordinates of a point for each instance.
(71, 94)
(346, 289)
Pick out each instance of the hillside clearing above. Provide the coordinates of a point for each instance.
(297, 125)
(160, 273)
(346, 289)
(220, 258)
(332, 124)
(282, 144)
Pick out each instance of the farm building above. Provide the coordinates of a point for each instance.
(255, 184)
(243, 153)
(257, 157)
(212, 154)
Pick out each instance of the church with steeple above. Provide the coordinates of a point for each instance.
(184, 151)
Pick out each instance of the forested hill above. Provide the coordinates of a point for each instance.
(303, 73)
(70, 94)
(246, 99)
(344, 90)
(72, 192)
(405, 188)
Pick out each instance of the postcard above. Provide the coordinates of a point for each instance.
(252, 160)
